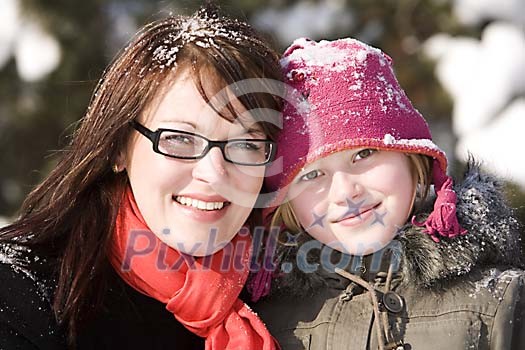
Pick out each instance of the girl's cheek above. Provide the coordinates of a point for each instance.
(295, 191)
(308, 209)
(301, 207)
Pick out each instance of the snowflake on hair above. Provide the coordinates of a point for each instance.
(201, 29)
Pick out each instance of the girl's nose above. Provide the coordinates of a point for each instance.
(211, 168)
(344, 186)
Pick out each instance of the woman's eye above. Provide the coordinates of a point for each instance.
(247, 146)
(364, 153)
(310, 175)
(182, 139)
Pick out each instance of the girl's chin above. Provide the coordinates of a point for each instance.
(360, 247)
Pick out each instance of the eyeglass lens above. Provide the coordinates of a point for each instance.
(186, 145)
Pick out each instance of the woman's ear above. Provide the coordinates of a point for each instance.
(120, 163)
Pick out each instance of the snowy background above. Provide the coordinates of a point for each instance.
(484, 76)
(475, 50)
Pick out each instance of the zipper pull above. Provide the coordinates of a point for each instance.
(348, 293)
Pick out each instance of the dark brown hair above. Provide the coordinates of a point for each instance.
(70, 216)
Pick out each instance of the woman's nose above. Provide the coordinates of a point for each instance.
(344, 186)
(211, 168)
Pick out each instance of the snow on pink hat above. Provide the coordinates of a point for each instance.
(344, 94)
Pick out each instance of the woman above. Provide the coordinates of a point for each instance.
(135, 239)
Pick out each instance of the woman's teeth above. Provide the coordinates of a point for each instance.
(190, 202)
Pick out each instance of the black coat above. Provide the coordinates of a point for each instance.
(127, 320)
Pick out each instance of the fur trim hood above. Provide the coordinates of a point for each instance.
(493, 240)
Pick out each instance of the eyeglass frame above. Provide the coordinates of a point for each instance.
(154, 137)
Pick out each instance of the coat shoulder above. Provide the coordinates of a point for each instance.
(26, 318)
(508, 329)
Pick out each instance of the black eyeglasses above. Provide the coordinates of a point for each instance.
(187, 145)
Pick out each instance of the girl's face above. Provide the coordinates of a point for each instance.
(194, 206)
(354, 200)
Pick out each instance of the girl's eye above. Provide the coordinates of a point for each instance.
(311, 175)
(364, 153)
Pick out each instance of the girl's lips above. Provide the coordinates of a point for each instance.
(356, 219)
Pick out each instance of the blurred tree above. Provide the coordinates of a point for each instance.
(35, 114)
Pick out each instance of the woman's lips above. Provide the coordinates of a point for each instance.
(208, 204)
(202, 208)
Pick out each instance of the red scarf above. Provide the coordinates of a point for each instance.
(202, 293)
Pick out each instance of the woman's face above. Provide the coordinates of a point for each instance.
(194, 206)
(354, 200)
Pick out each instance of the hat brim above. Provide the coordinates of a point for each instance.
(414, 146)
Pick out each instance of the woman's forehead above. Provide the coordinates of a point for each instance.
(181, 102)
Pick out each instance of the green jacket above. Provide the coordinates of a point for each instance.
(461, 293)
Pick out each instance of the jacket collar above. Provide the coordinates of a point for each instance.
(493, 237)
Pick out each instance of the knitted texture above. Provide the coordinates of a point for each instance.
(344, 94)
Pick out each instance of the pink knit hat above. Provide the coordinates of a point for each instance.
(344, 94)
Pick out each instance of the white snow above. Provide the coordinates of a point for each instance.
(315, 20)
(388, 139)
(498, 144)
(9, 23)
(473, 12)
(320, 55)
(37, 52)
(495, 282)
(484, 77)
(323, 54)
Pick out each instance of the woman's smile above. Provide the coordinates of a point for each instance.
(201, 204)
(205, 210)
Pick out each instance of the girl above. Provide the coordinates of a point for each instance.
(369, 259)
(135, 240)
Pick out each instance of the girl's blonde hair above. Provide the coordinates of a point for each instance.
(421, 167)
